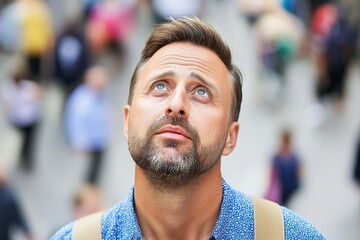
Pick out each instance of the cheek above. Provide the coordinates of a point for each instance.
(144, 114)
(211, 126)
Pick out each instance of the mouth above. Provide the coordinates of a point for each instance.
(173, 132)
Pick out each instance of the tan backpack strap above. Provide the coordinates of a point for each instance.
(268, 220)
(88, 228)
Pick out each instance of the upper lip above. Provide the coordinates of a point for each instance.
(173, 129)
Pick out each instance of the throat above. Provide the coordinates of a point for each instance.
(174, 220)
(186, 212)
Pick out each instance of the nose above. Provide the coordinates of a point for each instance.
(178, 104)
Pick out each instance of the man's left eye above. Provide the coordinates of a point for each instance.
(202, 92)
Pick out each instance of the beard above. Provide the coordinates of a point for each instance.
(169, 162)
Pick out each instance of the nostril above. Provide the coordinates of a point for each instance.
(168, 111)
(181, 112)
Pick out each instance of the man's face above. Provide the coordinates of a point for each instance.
(178, 124)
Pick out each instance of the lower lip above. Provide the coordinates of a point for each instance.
(172, 135)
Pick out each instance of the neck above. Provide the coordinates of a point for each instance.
(185, 212)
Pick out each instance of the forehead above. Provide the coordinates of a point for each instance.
(186, 56)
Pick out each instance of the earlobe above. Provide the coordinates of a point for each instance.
(126, 120)
(231, 139)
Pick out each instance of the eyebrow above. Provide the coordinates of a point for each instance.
(203, 80)
(200, 78)
(165, 74)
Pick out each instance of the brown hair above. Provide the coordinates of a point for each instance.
(195, 31)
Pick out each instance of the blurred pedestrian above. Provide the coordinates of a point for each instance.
(286, 170)
(334, 44)
(356, 171)
(109, 25)
(71, 56)
(11, 215)
(87, 200)
(340, 49)
(22, 99)
(280, 36)
(87, 119)
(10, 34)
(37, 35)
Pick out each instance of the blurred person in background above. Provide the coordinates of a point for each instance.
(71, 56)
(356, 170)
(87, 119)
(37, 35)
(109, 25)
(333, 48)
(164, 9)
(340, 51)
(11, 216)
(181, 118)
(22, 98)
(279, 38)
(285, 170)
(10, 34)
(87, 200)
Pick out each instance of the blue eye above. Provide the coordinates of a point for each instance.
(160, 87)
(202, 92)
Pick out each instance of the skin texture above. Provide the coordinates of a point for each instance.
(180, 118)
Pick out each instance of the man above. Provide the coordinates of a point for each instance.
(182, 115)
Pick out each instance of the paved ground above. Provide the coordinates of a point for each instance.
(328, 198)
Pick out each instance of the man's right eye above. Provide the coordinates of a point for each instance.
(160, 87)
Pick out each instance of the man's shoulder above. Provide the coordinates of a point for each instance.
(64, 233)
(240, 205)
(119, 220)
(297, 227)
(108, 222)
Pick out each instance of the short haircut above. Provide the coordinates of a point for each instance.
(192, 30)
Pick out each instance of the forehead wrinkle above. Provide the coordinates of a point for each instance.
(181, 49)
(196, 59)
(191, 61)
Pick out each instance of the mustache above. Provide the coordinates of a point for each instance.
(174, 121)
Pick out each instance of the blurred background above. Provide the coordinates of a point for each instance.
(65, 69)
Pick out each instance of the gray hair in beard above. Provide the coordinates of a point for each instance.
(164, 168)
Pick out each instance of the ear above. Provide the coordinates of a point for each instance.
(231, 139)
(126, 120)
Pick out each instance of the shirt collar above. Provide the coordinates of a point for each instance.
(131, 223)
(235, 220)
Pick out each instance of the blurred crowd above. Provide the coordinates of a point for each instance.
(43, 50)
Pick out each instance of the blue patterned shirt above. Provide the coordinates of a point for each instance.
(235, 221)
